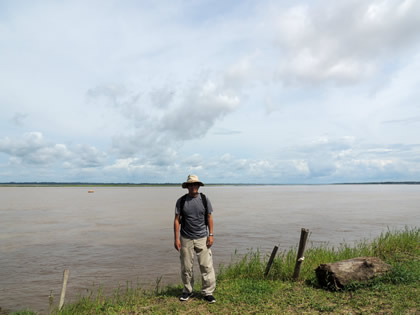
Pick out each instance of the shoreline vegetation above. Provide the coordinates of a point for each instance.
(243, 289)
(87, 184)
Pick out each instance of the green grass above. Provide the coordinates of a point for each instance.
(242, 288)
(391, 246)
(24, 312)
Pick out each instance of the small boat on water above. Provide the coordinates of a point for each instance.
(91, 191)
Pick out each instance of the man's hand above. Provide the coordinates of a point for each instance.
(177, 244)
(210, 241)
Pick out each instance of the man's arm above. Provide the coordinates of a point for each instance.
(177, 223)
(210, 239)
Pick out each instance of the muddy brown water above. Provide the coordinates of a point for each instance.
(124, 234)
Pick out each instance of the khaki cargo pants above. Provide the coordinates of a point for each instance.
(205, 261)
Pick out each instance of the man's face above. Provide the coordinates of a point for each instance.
(193, 188)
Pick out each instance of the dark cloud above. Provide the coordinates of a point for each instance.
(321, 167)
(162, 97)
(19, 119)
(86, 156)
(226, 132)
(202, 105)
(403, 121)
(160, 127)
(194, 161)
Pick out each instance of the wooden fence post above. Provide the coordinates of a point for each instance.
(302, 243)
(63, 289)
(270, 261)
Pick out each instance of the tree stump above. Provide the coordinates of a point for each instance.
(337, 275)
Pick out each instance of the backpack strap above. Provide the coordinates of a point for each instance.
(181, 209)
(206, 213)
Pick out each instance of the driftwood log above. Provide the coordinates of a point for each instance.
(337, 275)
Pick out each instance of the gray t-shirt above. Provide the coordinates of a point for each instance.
(194, 212)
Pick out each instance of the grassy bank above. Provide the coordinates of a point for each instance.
(243, 289)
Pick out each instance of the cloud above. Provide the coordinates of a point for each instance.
(321, 161)
(117, 96)
(202, 105)
(226, 132)
(156, 127)
(194, 162)
(32, 149)
(18, 119)
(86, 156)
(162, 97)
(403, 121)
(341, 160)
(341, 42)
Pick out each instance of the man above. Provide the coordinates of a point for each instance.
(193, 217)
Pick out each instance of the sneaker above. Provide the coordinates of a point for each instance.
(210, 298)
(185, 296)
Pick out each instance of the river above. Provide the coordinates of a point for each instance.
(120, 234)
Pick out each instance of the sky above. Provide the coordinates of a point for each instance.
(265, 92)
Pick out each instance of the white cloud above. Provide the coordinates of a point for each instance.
(342, 42)
(33, 149)
(302, 167)
(129, 164)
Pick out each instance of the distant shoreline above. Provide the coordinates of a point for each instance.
(80, 184)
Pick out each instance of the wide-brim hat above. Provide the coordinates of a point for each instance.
(192, 179)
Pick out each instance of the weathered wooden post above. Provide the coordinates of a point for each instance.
(50, 302)
(270, 261)
(302, 243)
(63, 289)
